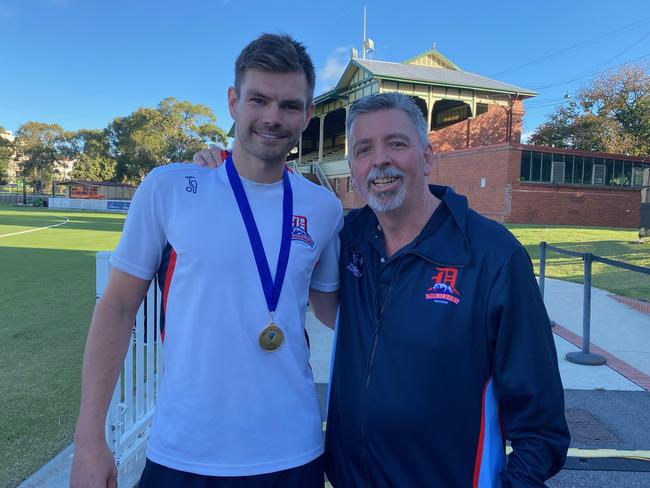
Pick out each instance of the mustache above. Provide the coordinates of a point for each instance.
(388, 172)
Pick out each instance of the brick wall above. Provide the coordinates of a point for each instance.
(464, 169)
(349, 199)
(575, 205)
(486, 129)
(504, 198)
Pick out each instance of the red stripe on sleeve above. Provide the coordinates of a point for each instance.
(168, 280)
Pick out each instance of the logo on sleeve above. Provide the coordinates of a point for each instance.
(299, 230)
(355, 264)
(192, 185)
(443, 288)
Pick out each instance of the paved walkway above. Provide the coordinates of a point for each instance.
(606, 405)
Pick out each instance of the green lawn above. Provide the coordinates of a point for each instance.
(618, 244)
(47, 292)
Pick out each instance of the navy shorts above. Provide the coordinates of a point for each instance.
(309, 475)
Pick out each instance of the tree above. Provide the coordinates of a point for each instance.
(148, 137)
(93, 160)
(39, 146)
(6, 155)
(611, 115)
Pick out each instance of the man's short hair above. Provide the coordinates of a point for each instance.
(387, 101)
(277, 53)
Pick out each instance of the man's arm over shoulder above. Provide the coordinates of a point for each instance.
(526, 376)
(106, 347)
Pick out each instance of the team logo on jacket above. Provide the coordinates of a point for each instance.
(355, 264)
(443, 288)
(299, 230)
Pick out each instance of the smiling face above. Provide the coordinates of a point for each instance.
(270, 111)
(388, 163)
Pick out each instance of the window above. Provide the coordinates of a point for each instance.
(337, 185)
(577, 169)
(588, 171)
(609, 172)
(546, 166)
(524, 174)
(537, 167)
(637, 176)
(568, 168)
(350, 185)
(599, 174)
(557, 172)
(560, 168)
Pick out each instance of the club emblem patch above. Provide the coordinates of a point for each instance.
(443, 288)
(355, 264)
(299, 230)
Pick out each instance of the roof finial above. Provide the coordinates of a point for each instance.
(434, 46)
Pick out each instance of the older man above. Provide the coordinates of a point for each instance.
(444, 348)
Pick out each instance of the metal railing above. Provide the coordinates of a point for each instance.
(134, 399)
(318, 171)
(585, 356)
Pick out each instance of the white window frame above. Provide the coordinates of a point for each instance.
(593, 174)
(637, 173)
(555, 170)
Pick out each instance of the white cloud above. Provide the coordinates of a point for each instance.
(335, 64)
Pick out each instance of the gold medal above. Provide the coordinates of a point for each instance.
(271, 338)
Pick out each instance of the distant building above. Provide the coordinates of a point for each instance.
(476, 125)
(97, 190)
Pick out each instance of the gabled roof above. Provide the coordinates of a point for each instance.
(433, 58)
(437, 76)
(428, 75)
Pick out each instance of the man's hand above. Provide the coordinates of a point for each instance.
(211, 157)
(93, 466)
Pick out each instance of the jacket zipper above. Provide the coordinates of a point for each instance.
(370, 364)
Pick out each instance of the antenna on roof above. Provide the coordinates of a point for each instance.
(368, 45)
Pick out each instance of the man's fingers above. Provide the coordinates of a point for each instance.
(200, 158)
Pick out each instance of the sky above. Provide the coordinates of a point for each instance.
(81, 63)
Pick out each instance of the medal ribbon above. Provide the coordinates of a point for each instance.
(271, 287)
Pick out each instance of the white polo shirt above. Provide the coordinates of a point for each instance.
(226, 407)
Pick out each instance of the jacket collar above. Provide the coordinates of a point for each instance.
(447, 245)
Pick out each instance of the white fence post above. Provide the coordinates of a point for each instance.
(131, 409)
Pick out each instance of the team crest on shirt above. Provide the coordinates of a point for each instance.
(443, 289)
(355, 264)
(299, 231)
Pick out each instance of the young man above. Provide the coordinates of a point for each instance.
(237, 251)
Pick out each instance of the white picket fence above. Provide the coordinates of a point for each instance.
(134, 399)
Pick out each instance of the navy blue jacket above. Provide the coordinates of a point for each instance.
(444, 351)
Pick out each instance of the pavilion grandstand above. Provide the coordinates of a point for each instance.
(475, 128)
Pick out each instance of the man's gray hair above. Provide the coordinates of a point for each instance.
(387, 101)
